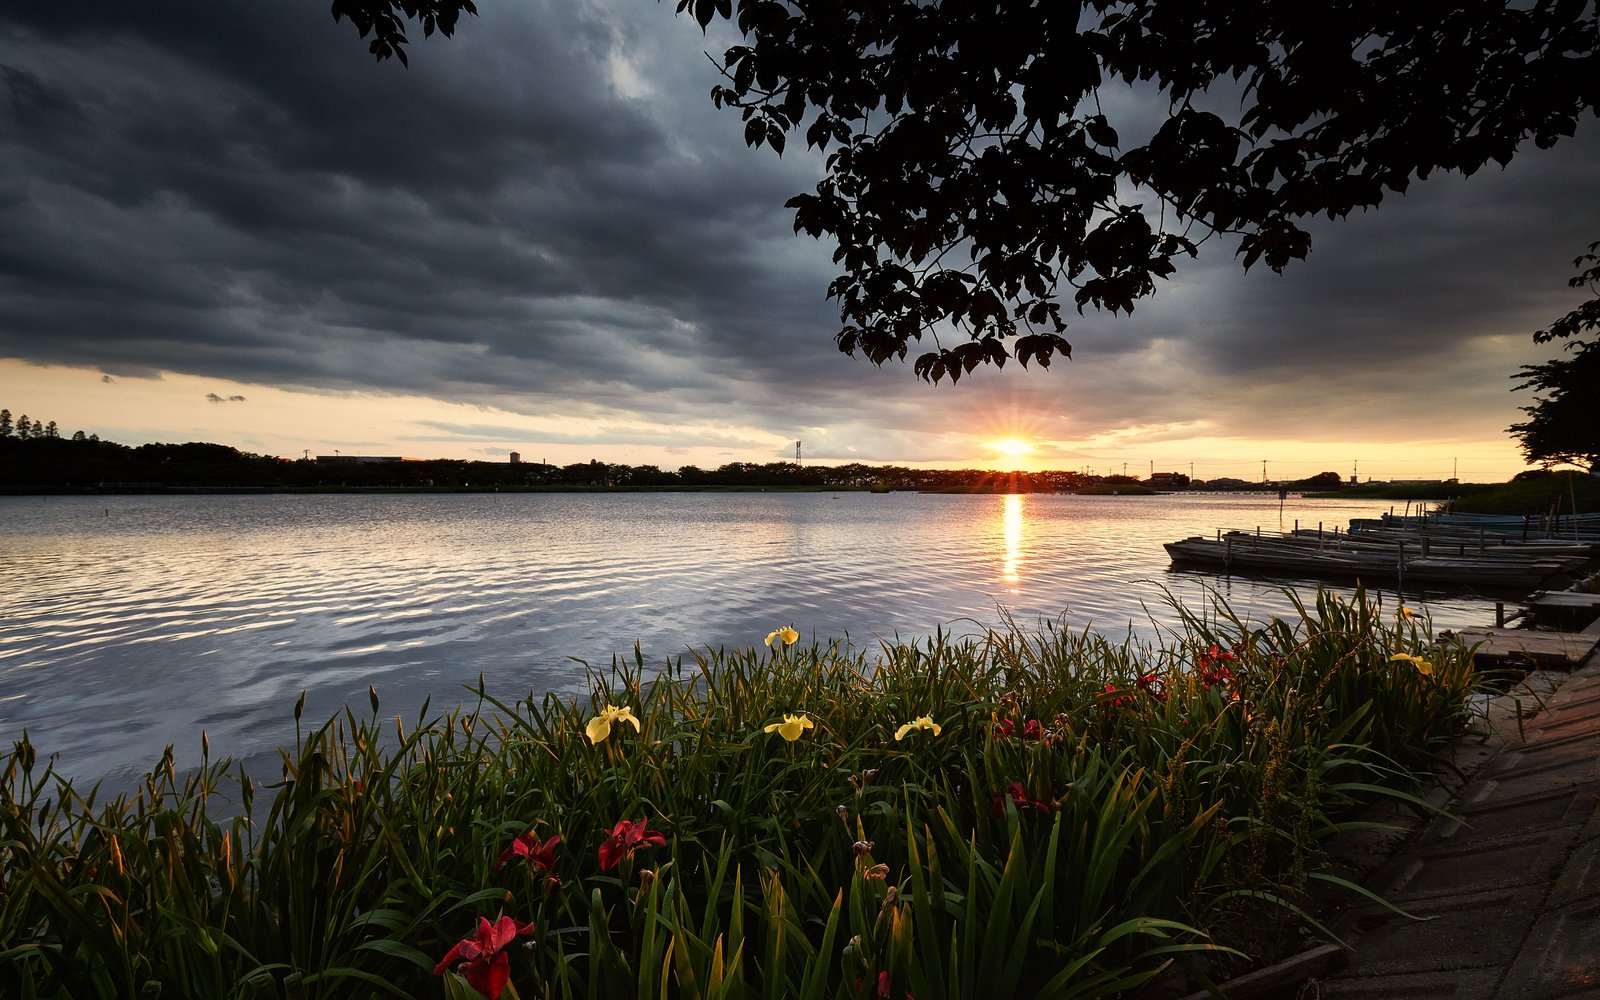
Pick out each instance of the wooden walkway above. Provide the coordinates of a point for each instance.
(1499, 646)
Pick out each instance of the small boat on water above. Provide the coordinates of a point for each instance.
(1567, 527)
(1237, 551)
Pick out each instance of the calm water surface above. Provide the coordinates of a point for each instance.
(128, 623)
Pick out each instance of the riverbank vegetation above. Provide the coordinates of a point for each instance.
(1537, 492)
(1028, 812)
(45, 462)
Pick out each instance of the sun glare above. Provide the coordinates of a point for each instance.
(1013, 448)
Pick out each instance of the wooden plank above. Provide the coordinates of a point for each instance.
(1555, 648)
(1564, 599)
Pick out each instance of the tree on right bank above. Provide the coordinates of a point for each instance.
(1563, 425)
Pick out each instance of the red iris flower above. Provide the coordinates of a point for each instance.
(481, 956)
(1032, 730)
(541, 856)
(1214, 667)
(1151, 685)
(1116, 700)
(1018, 795)
(1004, 729)
(885, 985)
(627, 837)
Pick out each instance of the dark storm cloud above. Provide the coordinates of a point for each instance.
(255, 200)
(238, 191)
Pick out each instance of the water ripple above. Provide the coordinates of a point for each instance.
(132, 622)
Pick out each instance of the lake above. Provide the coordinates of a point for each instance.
(131, 622)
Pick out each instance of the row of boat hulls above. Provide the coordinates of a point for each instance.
(1443, 543)
(1240, 551)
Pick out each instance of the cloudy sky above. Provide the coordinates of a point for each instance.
(220, 220)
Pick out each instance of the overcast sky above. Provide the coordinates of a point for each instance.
(222, 221)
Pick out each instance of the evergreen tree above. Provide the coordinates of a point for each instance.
(51, 431)
(24, 427)
(5, 423)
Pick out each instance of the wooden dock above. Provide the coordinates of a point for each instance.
(1498, 647)
(1566, 600)
(1430, 553)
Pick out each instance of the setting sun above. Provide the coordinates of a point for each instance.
(1011, 447)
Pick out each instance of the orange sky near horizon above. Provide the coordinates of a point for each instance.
(292, 422)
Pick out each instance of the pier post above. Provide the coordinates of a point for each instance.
(1499, 614)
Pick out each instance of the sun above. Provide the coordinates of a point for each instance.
(1012, 448)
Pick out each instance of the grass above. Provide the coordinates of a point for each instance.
(1087, 814)
(1534, 493)
(1556, 493)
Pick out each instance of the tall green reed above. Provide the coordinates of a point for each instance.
(1087, 813)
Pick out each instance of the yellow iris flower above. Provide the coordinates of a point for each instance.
(791, 727)
(921, 722)
(1423, 666)
(1404, 614)
(599, 727)
(787, 634)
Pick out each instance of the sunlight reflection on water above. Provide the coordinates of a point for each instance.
(127, 623)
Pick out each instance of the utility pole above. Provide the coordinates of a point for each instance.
(1263, 470)
(1124, 468)
(797, 453)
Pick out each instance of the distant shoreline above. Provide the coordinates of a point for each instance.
(985, 490)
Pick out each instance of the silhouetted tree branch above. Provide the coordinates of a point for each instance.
(977, 189)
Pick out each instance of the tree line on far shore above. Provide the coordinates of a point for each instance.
(44, 461)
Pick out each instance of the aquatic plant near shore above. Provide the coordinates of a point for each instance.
(626, 838)
(921, 722)
(791, 727)
(481, 959)
(599, 728)
(540, 856)
(1105, 834)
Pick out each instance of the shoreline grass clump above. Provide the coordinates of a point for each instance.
(1023, 813)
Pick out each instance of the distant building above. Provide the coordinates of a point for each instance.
(516, 458)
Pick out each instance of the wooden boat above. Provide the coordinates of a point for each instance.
(1445, 543)
(1247, 553)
